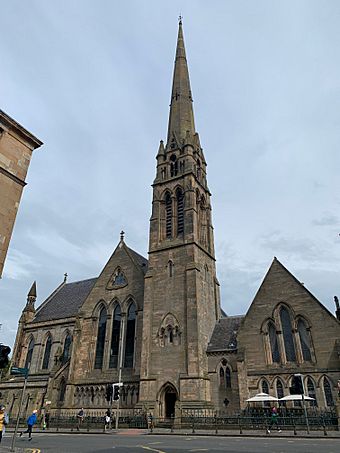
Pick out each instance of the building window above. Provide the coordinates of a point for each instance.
(130, 336)
(29, 354)
(311, 392)
(62, 390)
(180, 211)
(279, 389)
(117, 317)
(304, 340)
(274, 345)
(221, 377)
(198, 169)
(265, 387)
(227, 378)
(67, 349)
(98, 363)
(173, 166)
(47, 353)
(171, 268)
(168, 215)
(328, 392)
(287, 332)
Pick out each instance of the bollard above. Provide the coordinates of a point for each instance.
(324, 429)
(193, 427)
(240, 426)
(216, 429)
(294, 428)
(88, 425)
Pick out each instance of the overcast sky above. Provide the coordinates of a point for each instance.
(92, 80)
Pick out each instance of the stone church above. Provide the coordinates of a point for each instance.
(158, 321)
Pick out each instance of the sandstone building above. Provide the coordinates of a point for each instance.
(160, 321)
(16, 147)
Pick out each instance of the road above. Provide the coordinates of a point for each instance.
(141, 443)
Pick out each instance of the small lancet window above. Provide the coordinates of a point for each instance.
(279, 389)
(101, 333)
(173, 165)
(265, 386)
(168, 215)
(228, 378)
(47, 353)
(198, 169)
(29, 354)
(287, 335)
(311, 392)
(274, 346)
(221, 377)
(328, 392)
(117, 316)
(170, 268)
(62, 390)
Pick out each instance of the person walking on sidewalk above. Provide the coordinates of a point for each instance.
(3, 421)
(31, 421)
(273, 420)
(80, 418)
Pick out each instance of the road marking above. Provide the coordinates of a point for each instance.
(32, 450)
(154, 443)
(199, 449)
(151, 449)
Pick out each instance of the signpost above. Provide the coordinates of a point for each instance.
(16, 371)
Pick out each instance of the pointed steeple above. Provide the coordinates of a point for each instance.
(181, 118)
(32, 294)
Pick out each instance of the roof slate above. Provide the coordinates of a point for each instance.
(139, 259)
(66, 302)
(224, 336)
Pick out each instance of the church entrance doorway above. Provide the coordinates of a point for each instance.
(168, 398)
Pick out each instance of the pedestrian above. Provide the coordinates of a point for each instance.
(274, 420)
(150, 421)
(31, 421)
(80, 418)
(3, 421)
(47, 420)
(107, 419)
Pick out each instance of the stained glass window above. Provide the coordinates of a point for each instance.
(304, 340)
(29, 353)
(67, 349)
(221, 377)
(62, 390)
(98, 363)
(265, 386)
(115, 337)
(130, 336)
(47, 353)
(274, 346)
(227, 377)
(287, 335)
(279, 389)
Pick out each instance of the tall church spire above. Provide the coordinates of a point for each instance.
(181, 118)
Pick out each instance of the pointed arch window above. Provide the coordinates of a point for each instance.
(279, 389)
(304, 340)
(171, 268)
(274, 345)
(221, 377)
(130, 336)
(62, 390)
(67, 349)
(168, 215)
(117, 318)
(287, 332)
(327, 389)
(228, 378)
(101, 333)
(180, 211)
(311, 392)
(47, 353)
(29, 353)
(265, 386)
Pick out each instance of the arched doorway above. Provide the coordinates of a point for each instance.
(168, 398)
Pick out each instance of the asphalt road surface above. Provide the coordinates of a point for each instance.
(137, 443)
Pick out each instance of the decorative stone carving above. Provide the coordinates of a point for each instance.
(117, 280)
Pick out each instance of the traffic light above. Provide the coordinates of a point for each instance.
(108, 394)
(4, 353)
(297, 385)
(116, 392)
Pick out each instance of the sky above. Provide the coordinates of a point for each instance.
(92, 80)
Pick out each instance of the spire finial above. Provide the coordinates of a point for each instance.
(65, 277)
(122, 236)
(180, 17)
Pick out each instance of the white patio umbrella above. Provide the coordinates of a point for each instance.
(296, 398)
(261, 397)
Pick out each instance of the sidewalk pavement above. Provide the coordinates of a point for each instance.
(316, 434)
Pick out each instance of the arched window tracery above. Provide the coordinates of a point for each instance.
(101, 333)
(171, 268)
(130, 336)
(62, 390)
(221, 377)
(264, 386)
(227, 378)
(304, 340)
(116, 324)
(47, 353)
(287, 333)
(279, 389)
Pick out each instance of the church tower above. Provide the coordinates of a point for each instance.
(181, 299)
